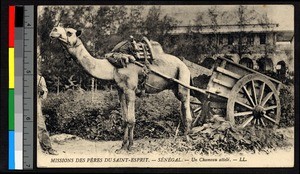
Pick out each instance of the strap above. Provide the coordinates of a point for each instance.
(149, 46)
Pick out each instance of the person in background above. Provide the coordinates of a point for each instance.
(42, 133)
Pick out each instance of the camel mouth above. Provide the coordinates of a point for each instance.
(57, 36)
(54, 36)
(62, 40)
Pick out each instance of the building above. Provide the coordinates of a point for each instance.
(258, 46)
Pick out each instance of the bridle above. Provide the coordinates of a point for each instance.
(68, 45)
(76, 43)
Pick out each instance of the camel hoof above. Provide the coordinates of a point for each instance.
(122, 149)
(130, 149)
(119, 151)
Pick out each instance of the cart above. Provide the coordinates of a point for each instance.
(248, 97)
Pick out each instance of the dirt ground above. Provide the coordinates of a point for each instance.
(77, 152)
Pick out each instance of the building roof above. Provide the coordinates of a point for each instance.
(231, 28)
(285, 36)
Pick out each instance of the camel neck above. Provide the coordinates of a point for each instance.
(98, 68)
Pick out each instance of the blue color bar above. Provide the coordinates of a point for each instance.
(11, 150)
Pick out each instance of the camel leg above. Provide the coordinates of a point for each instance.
(184, 96)
(123, 104)
(130, 98)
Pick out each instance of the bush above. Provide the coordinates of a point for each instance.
(97, 117)
(100, 119)
(287, 106)
(220, 135)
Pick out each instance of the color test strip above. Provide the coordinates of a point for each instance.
(28, 89)
(19, 52)
(11, 83)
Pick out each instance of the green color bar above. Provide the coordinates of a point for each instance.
(11, 110)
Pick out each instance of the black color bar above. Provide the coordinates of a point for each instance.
(19, 17)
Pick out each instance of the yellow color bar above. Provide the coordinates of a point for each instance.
(11, 66)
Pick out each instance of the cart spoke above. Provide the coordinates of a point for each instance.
(254, 92)
(262, 122)
(270, 107)
(270, 119)
(196, 103)
(197, 110)
(248, 95)
(266, 98)
(243, 113)
(262, 89)
(247, 121)
(243, 104)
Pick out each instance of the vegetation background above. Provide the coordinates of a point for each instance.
(89, 108)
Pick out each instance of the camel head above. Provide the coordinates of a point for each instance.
(68, 36)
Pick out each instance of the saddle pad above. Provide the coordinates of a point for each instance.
(119, 60)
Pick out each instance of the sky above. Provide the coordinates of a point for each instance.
(281, 14)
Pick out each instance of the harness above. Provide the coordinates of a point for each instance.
(67, 54)
(142, 51)
(130, 51)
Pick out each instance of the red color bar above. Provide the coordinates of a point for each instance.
(11, 26)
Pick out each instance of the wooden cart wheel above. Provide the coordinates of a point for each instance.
(254, 101)
(196, 109)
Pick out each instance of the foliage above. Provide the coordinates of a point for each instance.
(97, 115)
(103, 27)
(287, 106)
(212, 18)
(219, 135)
(53, 59)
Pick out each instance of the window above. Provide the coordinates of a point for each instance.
(250, 39)
(230, 40)
(210, 38)
(220, 40)
(262, 38)
(246, 62)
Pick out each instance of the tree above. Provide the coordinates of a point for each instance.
(54, 59)
(265, 23)
(245, 16)
(132, 23)
(106, 25)
(211, 20)
(158, 27)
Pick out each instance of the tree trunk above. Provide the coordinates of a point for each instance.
(93, 84)
(57, 88)
(96, 85)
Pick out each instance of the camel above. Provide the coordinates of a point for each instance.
(127, 79)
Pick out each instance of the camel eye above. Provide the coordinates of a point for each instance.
(69, 34)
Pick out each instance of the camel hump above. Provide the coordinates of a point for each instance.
(157, 48)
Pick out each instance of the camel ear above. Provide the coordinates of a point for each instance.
(78, 33)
